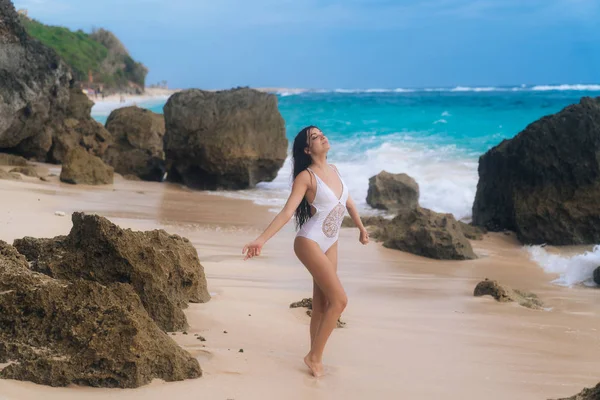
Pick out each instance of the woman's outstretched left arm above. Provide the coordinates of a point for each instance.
(353, 211)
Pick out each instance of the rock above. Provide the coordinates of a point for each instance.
(586, 394)
(138, 143)
(393, 192)
(229, 139)
(81, 167)
(374, 225)
(505, 295)
(307, 303)
(12, 160)
(9, 175)
(367, 221)
(426, 233)
(27, 171)
(62, 332)
(544, 183)
(472, 232)
(163, 269)
(597, 276)
(78, 130)
(40, 110)
(493, 289)
(35, 83)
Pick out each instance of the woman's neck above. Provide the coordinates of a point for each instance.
(320, 162)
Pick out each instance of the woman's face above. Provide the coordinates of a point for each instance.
(317, 142)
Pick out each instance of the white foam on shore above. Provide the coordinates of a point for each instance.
(447, 179)
(546, 88)
(456, 89)
(577, 269)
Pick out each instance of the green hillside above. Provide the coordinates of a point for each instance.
(99, 52)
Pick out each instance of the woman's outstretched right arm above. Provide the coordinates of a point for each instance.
(301, 184)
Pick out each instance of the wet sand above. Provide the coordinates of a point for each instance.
(414, 330)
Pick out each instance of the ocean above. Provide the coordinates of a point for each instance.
(435, 135)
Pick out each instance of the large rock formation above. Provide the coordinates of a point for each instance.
(38, 107)
(59, 332)
(78, 130)
(426, 233)
(544, 184)
(81, 167)
(138, 143)
(163, 269)
(230, 139)
(393, 192)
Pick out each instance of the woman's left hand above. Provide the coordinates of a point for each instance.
(364, 236)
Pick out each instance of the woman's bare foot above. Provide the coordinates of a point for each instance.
(316, 367)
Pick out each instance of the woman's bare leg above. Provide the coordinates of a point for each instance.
(324, 274)
(319, 302)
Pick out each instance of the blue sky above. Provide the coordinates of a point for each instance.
(346, 43)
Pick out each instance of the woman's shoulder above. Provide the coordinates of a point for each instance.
(303, 176)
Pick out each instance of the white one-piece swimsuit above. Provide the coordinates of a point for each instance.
(324, 226)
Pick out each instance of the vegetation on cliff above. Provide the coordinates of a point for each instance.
(99, 53)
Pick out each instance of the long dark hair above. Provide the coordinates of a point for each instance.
(301, 161)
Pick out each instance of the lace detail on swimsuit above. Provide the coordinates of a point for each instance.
(332, 223)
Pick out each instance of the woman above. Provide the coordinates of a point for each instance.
(318, 200)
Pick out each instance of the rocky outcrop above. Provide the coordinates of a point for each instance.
(472, 232)
(9, 175)
(230, 139)
(544, 184)
(506, 295)
(393, 192)
(426, 233)
(81, 167)
(78, 130)
(597, 276)
(38, 106)
(415, 229)
(586, 394)
(60, 332)
(163, 269)
(138, 143)
(27, 171)
(12, 160)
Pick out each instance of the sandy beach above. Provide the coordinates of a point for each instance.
(414, 330)
(104, 106)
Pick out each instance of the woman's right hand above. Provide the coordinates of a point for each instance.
(253, 249)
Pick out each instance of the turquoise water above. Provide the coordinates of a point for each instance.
(434, 135)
